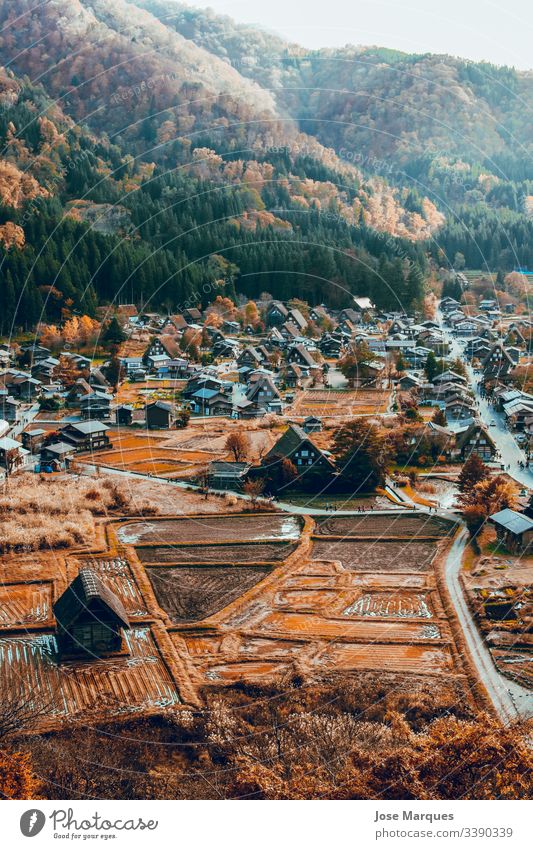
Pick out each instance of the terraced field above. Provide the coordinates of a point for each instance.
(338, 402)
(226, 554)
(122, 685)
(270, 526)
(188, 594)
(370, 556)
(25, 604)
(382, 526)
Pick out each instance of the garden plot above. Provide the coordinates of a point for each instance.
(371, 556)
(137, 682)
(383, 526)
(348, 580)
(188, 594)
(382, 631)
(394, 605)
(116, 574)
(389, 658)
(25, 604)
(213, 528)
(338, 402)
(224, 554)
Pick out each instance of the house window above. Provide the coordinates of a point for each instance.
(305, 453)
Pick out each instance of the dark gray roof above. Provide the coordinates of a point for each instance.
(88, 427)
(512, 521)
(86, 587)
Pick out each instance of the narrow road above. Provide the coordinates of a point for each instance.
(511, 453)
(511, 701)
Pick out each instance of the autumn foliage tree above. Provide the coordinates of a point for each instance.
(488, 496)
(473, 471)
(238, 445)
(361, 455)
(355, 365)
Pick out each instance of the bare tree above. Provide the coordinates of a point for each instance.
(238, 444)
(21, 707)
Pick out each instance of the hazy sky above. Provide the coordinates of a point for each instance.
(499, 31)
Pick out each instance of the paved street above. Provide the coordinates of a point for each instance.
(510, 451)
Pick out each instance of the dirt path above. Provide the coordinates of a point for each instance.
(510, 700)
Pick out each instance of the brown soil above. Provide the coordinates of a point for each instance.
(382, 526)
(377, 556)
(188, 594)
(231, 554)
(214, 528)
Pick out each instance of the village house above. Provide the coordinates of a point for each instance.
(32, 440)
(250, 357)
(210, 402)
(227, 475)
(86, 436)
(276, 313)
(497, 363)
(9, 407)
(174, 324)
(90, 618)
(97, 405)
(312, 424)
(291, 376)
(124, 415)
(296, 446)
(290, 332)
(159, 415)
(192, 315)
(168, 345)
(475, 440)
(296, 317)
(57, 454)
(264, 393)
(300, 355)
(514, 530)
(11, 452)
(331, 345)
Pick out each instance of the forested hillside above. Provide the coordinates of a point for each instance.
(150, 150)
(457, 131)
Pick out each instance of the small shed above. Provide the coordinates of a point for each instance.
(227, 475)
(159, 415)
(90, 618)
(514, 529)
(312, 424)
(124, 414)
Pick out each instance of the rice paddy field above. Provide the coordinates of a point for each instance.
(341, 402)
(215, 599)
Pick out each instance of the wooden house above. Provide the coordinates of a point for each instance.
(296, 446)
(227, 475)
(86, 436)
(300, 355)
(475, 440)
(276, 313)
(32, 440)
(90, 618)
(312, 424)
(514, 530)
(497, 363)
(124, 415)
(97, 405)
(159, 415)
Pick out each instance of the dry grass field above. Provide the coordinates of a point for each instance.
(339, 402)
